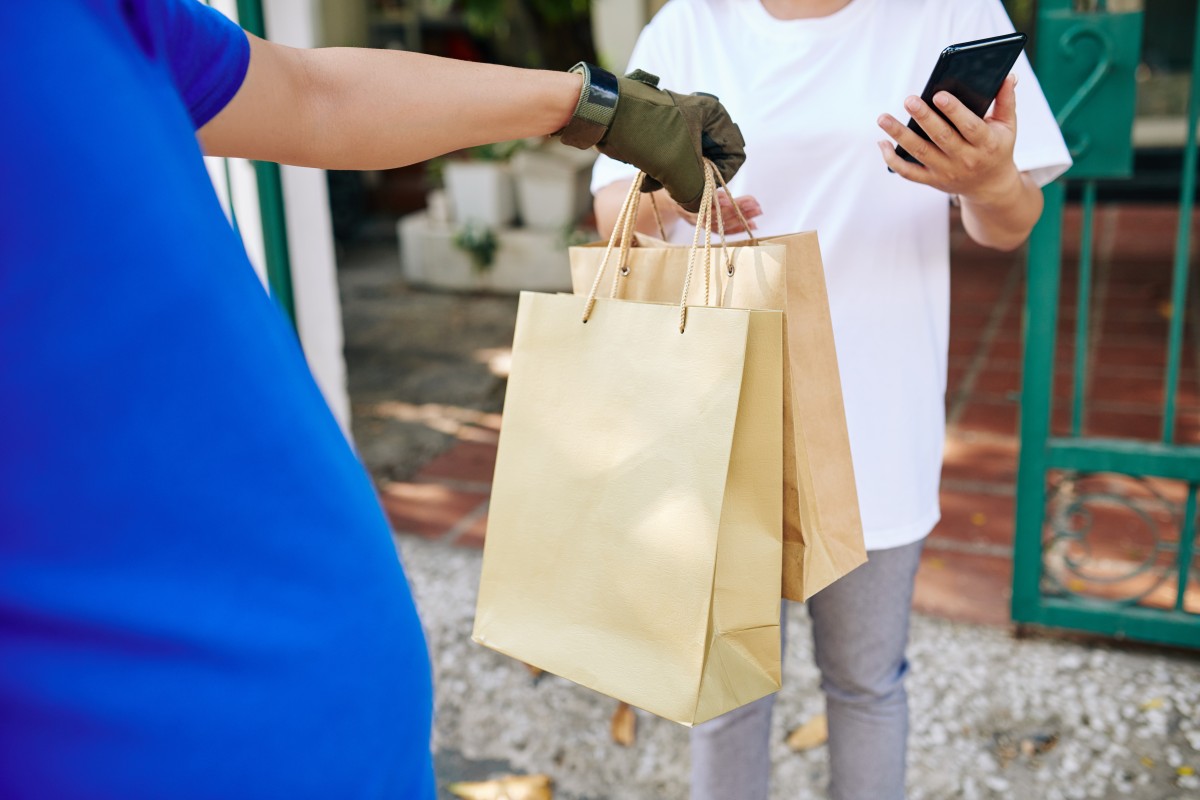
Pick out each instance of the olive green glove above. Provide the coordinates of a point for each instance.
(662, 133)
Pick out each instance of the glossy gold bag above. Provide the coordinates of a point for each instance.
(822, 534)
(635, 534)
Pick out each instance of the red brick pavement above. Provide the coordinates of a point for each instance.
(966, 569)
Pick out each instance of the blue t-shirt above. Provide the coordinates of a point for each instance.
(199, 595)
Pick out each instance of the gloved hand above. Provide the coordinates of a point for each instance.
(662, 133)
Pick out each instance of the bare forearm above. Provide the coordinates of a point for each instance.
(349, 108)
(1003, 221)
(386, 108)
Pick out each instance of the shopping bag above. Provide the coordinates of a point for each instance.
(634, 531)
(823, 537)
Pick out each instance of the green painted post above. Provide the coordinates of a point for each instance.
(1187, 543)
(270, 194)
(1123, 622)
(1037, 398)
(1179, 282)
(274, 222)
(1126, 457)
(233, 220)
(1082, 308)
(1038, 321)
(250, 17)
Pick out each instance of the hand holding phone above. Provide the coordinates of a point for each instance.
(971, 71)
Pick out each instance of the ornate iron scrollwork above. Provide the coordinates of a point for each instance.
(1081, 140)
(1086, 63)
(1072, 563)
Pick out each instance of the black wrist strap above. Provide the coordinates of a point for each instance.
(596, 108)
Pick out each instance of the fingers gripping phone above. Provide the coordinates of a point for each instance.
(971, 71)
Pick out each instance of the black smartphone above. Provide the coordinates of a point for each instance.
(971, 71)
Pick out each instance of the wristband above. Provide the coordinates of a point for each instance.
(596, 108)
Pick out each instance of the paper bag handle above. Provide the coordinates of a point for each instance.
(618, 230)
(703, 217)
(662, 230)
(623, 262)
(626, 221)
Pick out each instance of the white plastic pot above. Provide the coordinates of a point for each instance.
(481, 192)
(524, 260)
(553, 186)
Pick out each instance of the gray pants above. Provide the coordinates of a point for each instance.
(860, 630)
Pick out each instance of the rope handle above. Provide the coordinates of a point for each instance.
(703, 217)
(623, 230)
(634, 189)
(662, 230)
(736, 208)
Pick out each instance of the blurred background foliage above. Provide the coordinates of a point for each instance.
(545, 34)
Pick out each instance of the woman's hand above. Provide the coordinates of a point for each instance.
(746, 203)
(974, 161)
(1000, 203)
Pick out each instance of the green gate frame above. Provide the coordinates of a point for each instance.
(1041, 452)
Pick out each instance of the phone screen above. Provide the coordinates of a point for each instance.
(971, 71)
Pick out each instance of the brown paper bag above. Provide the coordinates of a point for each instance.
(636, 502)
(822, 528)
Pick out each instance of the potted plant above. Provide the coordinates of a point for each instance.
(552, 184)
(479, 242)
(480, 187)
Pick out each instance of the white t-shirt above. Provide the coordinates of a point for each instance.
(806, 94)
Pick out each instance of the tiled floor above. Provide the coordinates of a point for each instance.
(966, 570)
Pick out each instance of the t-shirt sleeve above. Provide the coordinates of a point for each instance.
(1040, 149)
(656, 52)
(208, 55)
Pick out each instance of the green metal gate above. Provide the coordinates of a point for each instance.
(1105, 527)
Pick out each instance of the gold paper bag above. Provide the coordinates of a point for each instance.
(822, 538)
(635, 529)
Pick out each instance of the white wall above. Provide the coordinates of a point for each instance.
(615, 28)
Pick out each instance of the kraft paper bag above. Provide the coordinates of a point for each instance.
(636, 503)
(823, 537)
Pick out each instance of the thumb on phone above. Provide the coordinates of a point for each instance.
(1005, 109)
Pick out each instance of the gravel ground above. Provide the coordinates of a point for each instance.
(1127, 720)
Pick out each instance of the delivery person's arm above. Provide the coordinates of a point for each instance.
(347, 108)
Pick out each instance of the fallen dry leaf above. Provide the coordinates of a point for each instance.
(811, 734)
(1038, 744)
(624, 725)
(506, 787)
